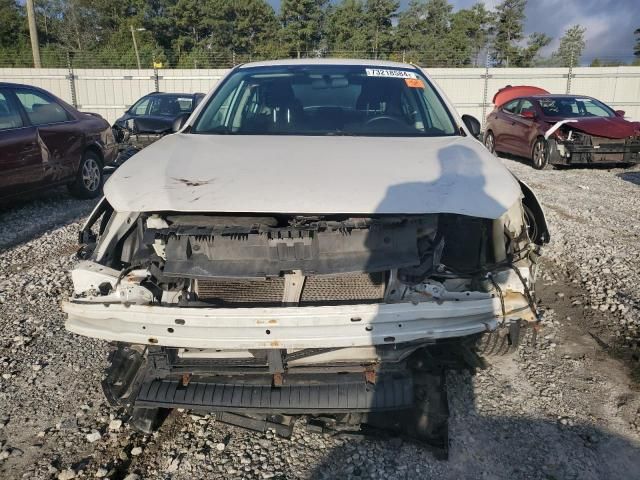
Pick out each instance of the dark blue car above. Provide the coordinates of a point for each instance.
(156, 112)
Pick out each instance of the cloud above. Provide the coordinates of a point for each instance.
(610, 23)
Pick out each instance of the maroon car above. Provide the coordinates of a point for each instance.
(46, 142)
(559, 129)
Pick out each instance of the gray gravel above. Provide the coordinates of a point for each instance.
(563, 409)
(23, 219)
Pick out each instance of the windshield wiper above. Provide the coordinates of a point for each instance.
(220, 130)
(340, 133)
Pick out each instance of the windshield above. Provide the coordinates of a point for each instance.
(163, 105)
(570, 107)
(326, 100)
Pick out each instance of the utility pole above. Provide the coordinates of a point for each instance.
(135, 44)
(33, 33)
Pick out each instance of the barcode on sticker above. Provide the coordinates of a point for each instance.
(381, 72)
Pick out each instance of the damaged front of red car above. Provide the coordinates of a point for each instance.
(582, 130)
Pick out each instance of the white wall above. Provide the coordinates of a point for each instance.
(110, 91)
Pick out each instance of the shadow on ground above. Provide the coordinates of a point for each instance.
(633, 177)
(22, 219)
(492, 447)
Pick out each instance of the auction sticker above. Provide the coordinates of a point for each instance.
(414, 83)
(381, 72)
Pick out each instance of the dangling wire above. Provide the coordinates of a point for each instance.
(499, 290)
(527, 292)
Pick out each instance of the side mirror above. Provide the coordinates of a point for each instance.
(472, 124)
(179, 122)
(620, 113)
(529, 114)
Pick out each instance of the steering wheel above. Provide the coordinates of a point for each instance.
(382, 118)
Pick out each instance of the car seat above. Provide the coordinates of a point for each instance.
(284, 109)
(565, 109)
(381, 96)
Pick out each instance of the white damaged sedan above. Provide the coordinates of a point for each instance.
(310, 237)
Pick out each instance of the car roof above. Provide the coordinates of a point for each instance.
(172, 94)
(20, 85)
(329, 61)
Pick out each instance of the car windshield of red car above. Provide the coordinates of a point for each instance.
(572, 107)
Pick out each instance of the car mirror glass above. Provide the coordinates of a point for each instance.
(472, 124)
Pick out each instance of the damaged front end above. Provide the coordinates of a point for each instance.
(570, 145)
(290, 314)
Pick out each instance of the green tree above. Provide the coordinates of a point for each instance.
(12, 23)
(412, 29)
(189, 21)
(380, 15)
(255, 27)
(528, 55)
(571, 47)
(431, 34)
(347, 28)
(475, 25)
(509, 27)
(438, 48)
(302, 24)
(15, 50)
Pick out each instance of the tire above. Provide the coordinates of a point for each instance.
(540, 154)
(126, 154)
(500, 342)
(530, 223)
(490, 142)
(89, 179)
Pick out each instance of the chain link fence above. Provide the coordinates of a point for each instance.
(55, 58)
(109, 87)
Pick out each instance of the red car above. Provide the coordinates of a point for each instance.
(559, 129)
(45, 142)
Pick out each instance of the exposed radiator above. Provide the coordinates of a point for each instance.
(348, 288)
(250, 292)
(345, 288)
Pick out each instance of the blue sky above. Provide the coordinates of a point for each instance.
(610, 23)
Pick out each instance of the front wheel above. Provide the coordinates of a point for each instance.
(502, 341)
(540, 154)
(89, 179)
(490, 142)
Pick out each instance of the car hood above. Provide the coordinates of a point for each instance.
(322, 175)
(608, 127)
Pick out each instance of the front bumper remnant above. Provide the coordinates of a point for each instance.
(288, 327)
(335, 393)
(594, 150)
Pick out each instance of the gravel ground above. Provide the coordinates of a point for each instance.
(24, 219)
(567, 408)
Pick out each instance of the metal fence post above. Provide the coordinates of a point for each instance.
(72, 80)
(485, 91)
(570, 73)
